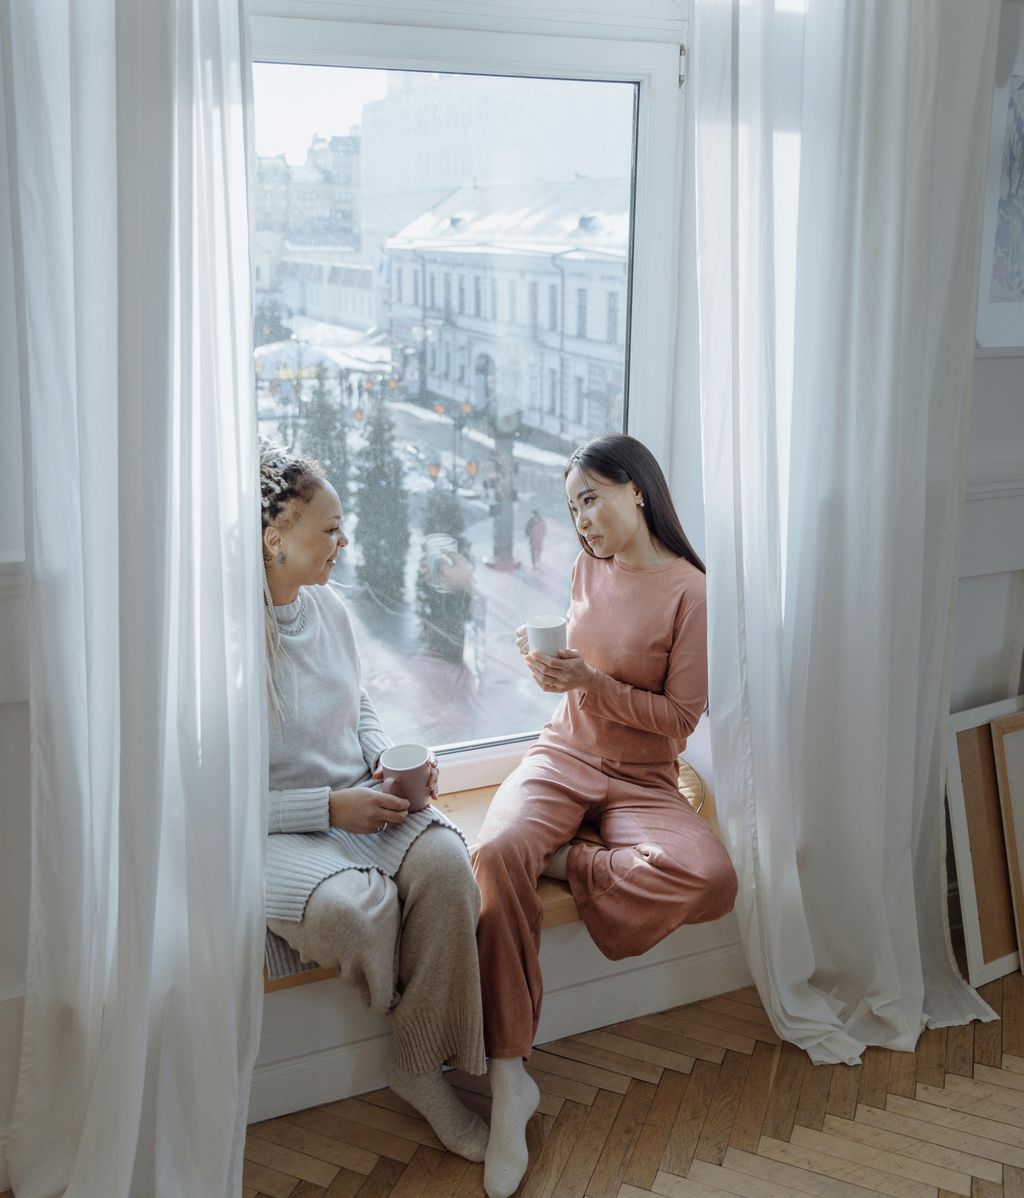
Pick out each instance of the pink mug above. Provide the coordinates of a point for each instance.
(407, 774)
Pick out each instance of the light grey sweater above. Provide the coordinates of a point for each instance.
(328, 738)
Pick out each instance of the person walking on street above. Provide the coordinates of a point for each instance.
(535, 530)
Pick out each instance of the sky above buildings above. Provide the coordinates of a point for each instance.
(295, 102)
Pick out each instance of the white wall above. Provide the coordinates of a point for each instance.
(989, 632)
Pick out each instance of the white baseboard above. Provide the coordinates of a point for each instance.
(642, 991)
(342, 1071)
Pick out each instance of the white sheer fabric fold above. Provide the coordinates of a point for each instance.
(839, 169)
(129, 181)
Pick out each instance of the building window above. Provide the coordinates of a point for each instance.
(462, 295)
(581, 312)
(512, 316)
(447, 363)
(579, 400)
(613, 317)
(553, 307)
(416, 288)
(534, 306)
(432, 284)
(478, 296)
(552, 391)
(448, 293)
(494, 300)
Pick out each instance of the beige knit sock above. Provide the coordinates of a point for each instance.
(558, 866)
(514, 1096)
(459, 1129)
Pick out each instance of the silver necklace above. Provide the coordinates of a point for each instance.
(294, 627)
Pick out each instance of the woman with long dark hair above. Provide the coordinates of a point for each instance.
(634, 684)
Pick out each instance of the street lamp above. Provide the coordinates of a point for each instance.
(504, 429)
(421, 334)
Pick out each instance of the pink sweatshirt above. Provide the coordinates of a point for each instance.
(645, 633)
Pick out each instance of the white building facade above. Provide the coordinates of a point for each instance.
(513, 299)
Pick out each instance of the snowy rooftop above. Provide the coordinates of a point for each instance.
(585, 215)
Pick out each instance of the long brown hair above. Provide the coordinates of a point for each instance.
(620, 458)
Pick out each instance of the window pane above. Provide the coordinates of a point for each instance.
(425, 250)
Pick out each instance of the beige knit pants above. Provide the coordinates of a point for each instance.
(409, 944)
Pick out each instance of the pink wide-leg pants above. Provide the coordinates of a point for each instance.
(663, 867)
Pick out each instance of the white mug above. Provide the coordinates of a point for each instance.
(546, 634)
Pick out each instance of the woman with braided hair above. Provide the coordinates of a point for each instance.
(353, 879)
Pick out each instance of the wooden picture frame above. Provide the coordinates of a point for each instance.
(1008, 747)
(975, 817)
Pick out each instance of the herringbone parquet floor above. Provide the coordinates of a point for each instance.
(699, 1102)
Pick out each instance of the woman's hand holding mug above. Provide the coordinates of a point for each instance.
(362, 809)
(566, 672)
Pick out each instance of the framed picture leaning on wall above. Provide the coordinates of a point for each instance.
(1001, 284)
(1008, 749)
(979, 844)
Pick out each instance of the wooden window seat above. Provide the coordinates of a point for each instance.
(467, 808)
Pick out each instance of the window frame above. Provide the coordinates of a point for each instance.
(651, 309)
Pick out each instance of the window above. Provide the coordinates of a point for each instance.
(462, 294)
(581, 312)
(399, 285)
(579, 400)
(500, 381)
(478, 296)
(416, 288)
(534, 307)
(553, 307)
(613, 318)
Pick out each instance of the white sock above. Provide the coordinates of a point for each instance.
(558, 866)
(458, 1128)
(514, 1096)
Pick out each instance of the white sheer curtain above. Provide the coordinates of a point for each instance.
(127, 127)
(839, 167)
